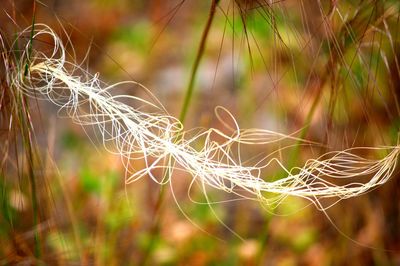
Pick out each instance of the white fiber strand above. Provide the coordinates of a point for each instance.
(161, 142)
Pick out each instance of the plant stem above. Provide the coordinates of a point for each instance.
(155, 228)
(26, 131)
(199, 55)
(30, 40)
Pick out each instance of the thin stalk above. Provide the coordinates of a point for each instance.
(155, 228)
(26, 139)
(31, 40)
(195, 67)
(26, 131)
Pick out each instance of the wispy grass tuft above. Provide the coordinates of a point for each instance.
(15, 109)
(144, 131)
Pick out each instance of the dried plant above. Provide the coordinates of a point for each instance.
(161, 142)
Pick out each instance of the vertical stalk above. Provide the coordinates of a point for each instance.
(155, 228)
(26, 131)
(35, 205)
(195, 67)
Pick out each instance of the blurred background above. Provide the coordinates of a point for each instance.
(328, 70)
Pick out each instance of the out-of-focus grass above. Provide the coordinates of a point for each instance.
(336, 77)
